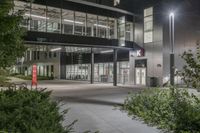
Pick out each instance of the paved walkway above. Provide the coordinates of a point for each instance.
(94, 106)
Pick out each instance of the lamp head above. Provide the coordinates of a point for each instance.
(171, 14)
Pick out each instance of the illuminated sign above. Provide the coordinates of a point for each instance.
(140, 53)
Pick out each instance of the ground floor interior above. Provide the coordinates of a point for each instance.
(94, 65)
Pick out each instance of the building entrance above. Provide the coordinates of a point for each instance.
(140, 76)
(140, 72)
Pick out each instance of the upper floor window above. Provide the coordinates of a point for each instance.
(43, 18)
(148, 25)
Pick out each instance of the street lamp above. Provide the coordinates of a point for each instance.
(171, 37)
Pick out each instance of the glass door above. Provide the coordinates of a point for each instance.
(140, 76)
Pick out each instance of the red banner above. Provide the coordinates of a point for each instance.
(34, 75)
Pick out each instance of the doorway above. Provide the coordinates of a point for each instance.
(140, 76)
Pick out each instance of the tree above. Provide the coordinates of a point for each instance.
(191, 71)
(11, 34)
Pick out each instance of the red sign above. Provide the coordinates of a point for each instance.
(140, 53)
(34, 75)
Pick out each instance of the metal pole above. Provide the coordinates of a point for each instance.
(115, 67)
(171, 36)
(92, 67)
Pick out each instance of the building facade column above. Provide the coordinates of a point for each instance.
(92, 67)
(63, 63)
(115, 67)
(132, 67)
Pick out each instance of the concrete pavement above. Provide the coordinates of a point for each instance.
(94, 106)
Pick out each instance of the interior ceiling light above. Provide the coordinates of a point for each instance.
(36, 16)
(102, 26)
(71, 21)
(55, 49)
(106, 51)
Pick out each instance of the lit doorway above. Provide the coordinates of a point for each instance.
(140, 72)
(140, 76)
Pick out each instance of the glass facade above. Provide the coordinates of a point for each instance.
(44, 18)
(67, 22)
(78, 72)
(123, 72)
(25, 8)
(80, 24)
(53, 20)
(91, 25)
(103, 72)
(38, 18)
(76, 61)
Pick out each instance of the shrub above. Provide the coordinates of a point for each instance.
(30, 111)
(3, 72)
(190, 73)
(174, 109)
(3, 77)
(4, 80)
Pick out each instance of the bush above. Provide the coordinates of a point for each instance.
(3, 72)
(174, 110)
(190, 73)
(3, 77)
(30, 111)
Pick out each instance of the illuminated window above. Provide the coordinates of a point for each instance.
(148, 25)
(116, 2)
(148, 12)
(122, 31)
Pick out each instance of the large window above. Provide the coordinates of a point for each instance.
(50, 19)
(38, 18)
(80, 23)
(53, 20)
(121, 31)
(68, 21)
(103, 72)
(25, 8)
(91, 25)
(129, 31)
(112, 28)
(102, 27)
(148, 25)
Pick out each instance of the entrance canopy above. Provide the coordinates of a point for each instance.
(41, 38)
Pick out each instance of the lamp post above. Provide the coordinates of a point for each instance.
(171, 37)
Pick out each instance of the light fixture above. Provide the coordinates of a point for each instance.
(171, 14)
(106, 51)
(71, 21)
(102, 26)
(55, 49)
(36, 16)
